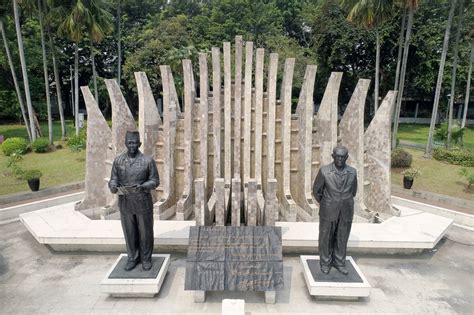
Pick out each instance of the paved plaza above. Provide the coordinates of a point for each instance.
(35, 279)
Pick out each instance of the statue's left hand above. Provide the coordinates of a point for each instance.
(139, 188)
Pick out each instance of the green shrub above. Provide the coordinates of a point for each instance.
(30, 174)
(77, 141)
(401, 158)
(14, 145)
(40, 145)
(457, 133)
(464, 157)
(468, 175)
(411, 173)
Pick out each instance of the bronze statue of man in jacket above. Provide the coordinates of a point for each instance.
(134, 176)
(334, 188)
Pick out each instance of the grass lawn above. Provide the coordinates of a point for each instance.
(419, 134)
(58, 167)
(17, 130)
(437, 177)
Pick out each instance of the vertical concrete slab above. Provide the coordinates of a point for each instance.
(271, 113)
(377, 145)
(305, 132)
(216, 110)
(203, 110)
(221, 214)
(237, 104)
(288, 205)
(258, 114)
(165, 207)
(236, 200)
(271, 202)
(247, 109)
(99, 136)
(200, 202)
(227, 114)
(252, 203)
(184, 205)
(326, 120)
(351, 133)
(122, 118)
(149, 119)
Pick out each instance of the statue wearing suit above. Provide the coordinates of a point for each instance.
(133, 177)
(334, 188)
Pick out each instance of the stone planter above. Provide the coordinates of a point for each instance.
(34, 184)
(407, 182)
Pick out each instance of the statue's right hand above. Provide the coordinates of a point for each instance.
(113, 189)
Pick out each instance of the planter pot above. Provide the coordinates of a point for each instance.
(407, 182)
(34, 184)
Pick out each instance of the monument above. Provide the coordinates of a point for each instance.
(234, 152)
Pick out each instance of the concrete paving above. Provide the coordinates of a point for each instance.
(34, 279)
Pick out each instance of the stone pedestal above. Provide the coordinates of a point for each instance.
(334, 285)
(136, 282)
(233, 307)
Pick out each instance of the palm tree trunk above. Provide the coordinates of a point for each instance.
(94, 74)
(119, 42)
(26, 84)
(15, 80)
(58, 83)
(468, 86)
(377, 70)
(403, 69)
(453, 76)
(400, 48)
(46, 76)
(76, 87)
(429, 145)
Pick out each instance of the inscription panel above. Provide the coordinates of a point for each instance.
(235, 258)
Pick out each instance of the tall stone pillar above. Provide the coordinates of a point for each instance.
(184, 205)
(326, 120)
(149, 119)
(165, 207)
(247, 118)
(237, 104)
(378, 150)
(221, 213)
(236, 200)
(252, 203)
(204, 118)
(201, 202)
(289, 207)
(305, 131)
(227, 122)
(351, 133)
(96, 192)
(271, 114)
(271, 202)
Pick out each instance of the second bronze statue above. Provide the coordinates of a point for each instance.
(334, 188)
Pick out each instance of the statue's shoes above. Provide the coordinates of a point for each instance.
(131, 264)
(147, 265)
(325, 269)
(341, 269)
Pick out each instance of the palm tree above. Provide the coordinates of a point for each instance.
(429, 145)
(45, 72)
(411, 6)
(56, 72)
(468, 84)
(3, 11)
(26, 84)
(80, 18)
(370, 14)
(453, 76)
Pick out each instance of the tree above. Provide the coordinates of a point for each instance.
(45, 72)
(411, 6)
(468, 83)
(78, 19)
(26, 85)
(370, 14)
(453, 77)
(429, 145)
(3, 11)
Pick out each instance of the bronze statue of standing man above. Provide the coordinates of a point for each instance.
(133, 177)
(335, 188)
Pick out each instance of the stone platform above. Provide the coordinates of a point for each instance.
(136, 282)
(334, 285)
(65, 229)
